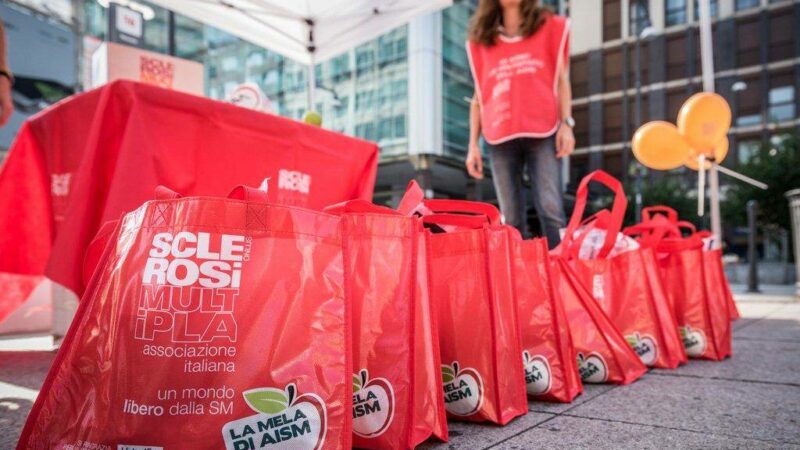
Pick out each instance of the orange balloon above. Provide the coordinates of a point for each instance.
(658, 145)
(720, 152)
(704, 119)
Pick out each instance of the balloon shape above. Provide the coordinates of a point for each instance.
(658, 145)
(720, 152)
(313, 118)
(704, 119)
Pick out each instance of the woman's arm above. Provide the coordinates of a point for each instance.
(474, 159)
(565, 139)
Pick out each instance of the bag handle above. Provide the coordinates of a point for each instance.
(249, 194)
(648, 213)
(465, 207)
(359, 206)
(455, 220)
(617, 213)
(412, 199)
(652, 232)
(164, 193)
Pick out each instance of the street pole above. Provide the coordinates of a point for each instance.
(637, 111)
(752, 257)
(707, 63)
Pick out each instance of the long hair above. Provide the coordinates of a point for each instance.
(483, 27)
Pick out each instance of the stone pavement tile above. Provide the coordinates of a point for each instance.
(15, 404)
(581, 433)
(753, 360)
(26, 369)
(474, 436)
(736, 408)
(590, 391)
(753, 312)
(781, 324)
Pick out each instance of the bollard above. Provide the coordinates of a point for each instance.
(794, 210)
(752, 257)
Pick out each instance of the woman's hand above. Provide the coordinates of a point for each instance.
(565, 141)
(474, 161)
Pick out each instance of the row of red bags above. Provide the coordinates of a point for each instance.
(211, 322)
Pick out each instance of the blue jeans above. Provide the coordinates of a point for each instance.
(538, 156)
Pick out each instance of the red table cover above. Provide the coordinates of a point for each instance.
(99, 154)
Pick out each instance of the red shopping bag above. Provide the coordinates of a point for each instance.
(551, 373)
(603, 354)
(473, 293)
(623, 278)
(692, 283)
(209, 322)
(397, 400)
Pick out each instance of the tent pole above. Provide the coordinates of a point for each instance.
(312, 85)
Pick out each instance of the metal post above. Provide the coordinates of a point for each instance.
(171, 45)
(637, 113)
(752, 257)
(794, 212)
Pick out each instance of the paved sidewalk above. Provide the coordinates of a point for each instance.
(750, 401)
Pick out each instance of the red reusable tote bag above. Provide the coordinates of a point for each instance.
(397, 400)
(473, 293)
(603, 355)
(551, 373)
(700, 307)
(623, 278)
(209, 323)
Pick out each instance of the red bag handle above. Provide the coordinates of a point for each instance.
(650, 212)
(617, 213)
(415, 196)
(165, 193)
(456, 220)
(249, 194)
(359, 206)
(412, 198)
(652, 232)
(465, 207)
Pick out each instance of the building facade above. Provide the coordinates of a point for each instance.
(756, 68)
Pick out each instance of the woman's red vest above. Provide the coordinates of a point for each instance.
(517, 79)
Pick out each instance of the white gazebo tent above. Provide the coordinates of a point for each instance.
(307, 31)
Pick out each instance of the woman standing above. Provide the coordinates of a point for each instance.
(519, 56)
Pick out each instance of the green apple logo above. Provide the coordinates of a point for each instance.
(644, 346)
(463, 389)
(537, 373)
(592, 368)
(373, 405)
(694, 341)
(283, 420)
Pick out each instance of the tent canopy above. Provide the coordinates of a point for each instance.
(307, 31)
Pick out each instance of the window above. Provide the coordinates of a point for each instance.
(579, 168)
(633, 125)
(581, 116)
(746, 4)
(611, 20)
(674, 12)
(782, 35)
(677, 57)
(748, 104)
(612, 121)
(675, 100)
(747, 42)
(713, 4)
(639, 16)
(612, 70)
(579, 76)
(642, 66)
(781, 98)
(612, 163)
(747, 148)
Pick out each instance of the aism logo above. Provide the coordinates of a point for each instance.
(293, 180)
(644, 346)
(592, 368)
(537, 373)
(694, 341)
(373, 405)
(284, 420)
(189, 285)
(463, 389)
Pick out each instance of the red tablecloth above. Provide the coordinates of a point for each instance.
(99, 154)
